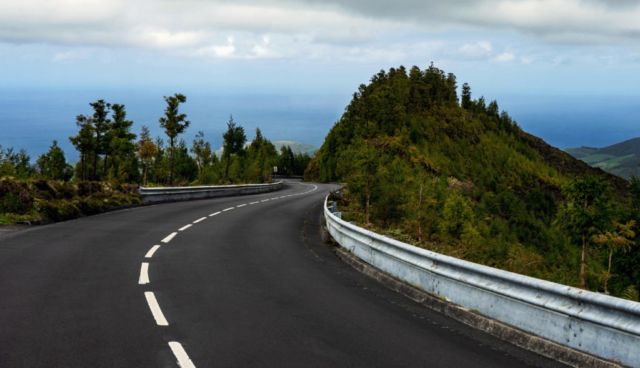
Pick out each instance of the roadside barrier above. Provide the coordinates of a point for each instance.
(593, 323)
(168, 194)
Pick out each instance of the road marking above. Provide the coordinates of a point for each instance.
(198, 220)
(181, 355)
(283, 197)
(144, 274)
(254, 202)
(228, 209)
(155, 309)
(184, 227)
(168, 238)
(151, 251)
(275, 198)
(213, 214)
(241, 205)
(264, 200)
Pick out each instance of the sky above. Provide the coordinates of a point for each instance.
(566, 70)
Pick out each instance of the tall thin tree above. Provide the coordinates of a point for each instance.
(234, 140)
(173, 123)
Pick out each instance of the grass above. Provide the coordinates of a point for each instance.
(594, 159)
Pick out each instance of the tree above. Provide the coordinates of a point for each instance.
(53, 164)
(588, 212)
(101, 126)
(146, 149)
(367, 166)
(233, 143)
(616, 240)
(84, 142)
(202, 150)
(173, 124)
(466, 96)
(121, 140)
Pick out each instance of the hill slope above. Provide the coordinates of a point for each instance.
(452, 175)
(621, 159)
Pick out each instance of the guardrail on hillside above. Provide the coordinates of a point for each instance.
(166, 194)
(604, 326)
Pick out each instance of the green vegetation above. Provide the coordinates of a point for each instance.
(28, 200)
(461, 178)
(112, 159)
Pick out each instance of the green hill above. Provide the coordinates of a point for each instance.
(621, 159)
(456, 176)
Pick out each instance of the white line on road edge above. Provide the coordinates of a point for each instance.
(144, 274)
(168, 238)
(181, 355)
(241, 205)
(198, 220)
(213, 214)
(151, 251)
(155, 309)
(254, 202)
(184, 227)
(228, 209)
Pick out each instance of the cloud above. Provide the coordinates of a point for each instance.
(505, 57)
(478, 50)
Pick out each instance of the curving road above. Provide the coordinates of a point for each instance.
(247, 284)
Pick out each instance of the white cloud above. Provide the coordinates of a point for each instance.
(505, 57)
(478, 50)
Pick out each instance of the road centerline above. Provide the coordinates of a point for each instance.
(181, 355)
(155, 309)
(144, 274)
(213, 214)
(151, 251)
(184, 227)
(168, 238)
(228, 209)
(200, 219)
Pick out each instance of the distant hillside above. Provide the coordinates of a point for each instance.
(621, 159)
(296, 147)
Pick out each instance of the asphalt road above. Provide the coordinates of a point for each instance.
(252, 286)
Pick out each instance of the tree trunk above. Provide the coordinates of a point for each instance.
(146, 166)
(606, 281)
(583, 284)
(226, 169)
(95, 166)
(367, 205)
(420, 217)
(171, 166)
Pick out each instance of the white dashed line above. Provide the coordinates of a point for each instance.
(184, 227)
(264, 200)
(241, 205)
(228, 209)
(155, 309)
(168, 238)
(283, 197)
(275, 198)
(144, 274)
(198, 220)
(181, 355)
(151, 251)
(254, 202)
(213, 214)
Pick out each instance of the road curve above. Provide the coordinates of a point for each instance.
(247, 284)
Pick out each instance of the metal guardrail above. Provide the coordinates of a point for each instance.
(604, 326)
(165, 194)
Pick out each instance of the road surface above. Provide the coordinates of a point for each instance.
(228, 282)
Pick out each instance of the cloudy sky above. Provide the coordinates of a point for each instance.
(506, 49)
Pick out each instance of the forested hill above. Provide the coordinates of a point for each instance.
(458, 176)
(621, 159)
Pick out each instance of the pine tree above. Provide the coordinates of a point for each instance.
(202, 150)
(233, 142)
(173, 124)
(466, 96)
